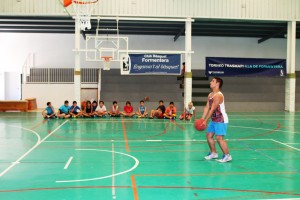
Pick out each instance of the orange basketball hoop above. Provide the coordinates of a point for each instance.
(83, 9)
(69, 2)
(106, 62)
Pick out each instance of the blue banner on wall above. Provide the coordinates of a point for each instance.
(153, 64)
(218, 66)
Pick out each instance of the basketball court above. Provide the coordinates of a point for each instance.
(147, 159)
(133, 50)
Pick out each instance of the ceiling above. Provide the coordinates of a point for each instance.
(262, 30)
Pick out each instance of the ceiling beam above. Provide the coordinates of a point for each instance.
(179, 33)
(278, 32)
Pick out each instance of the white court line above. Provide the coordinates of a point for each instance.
(62, 141)
(68, 162)
(113, 189)
(89, 141)
(30, 150)
(291, 143)
(108, 176)
(285, 199)
(286, 145)
(266, 129)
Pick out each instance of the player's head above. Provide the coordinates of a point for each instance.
(183, 64)
(171, 104)
(74, 103)
(49, 104)
(142, 102)
(128, 103)
(66, 102)
(216, 82)
(161, 102)
(190, 105)
(115, 103)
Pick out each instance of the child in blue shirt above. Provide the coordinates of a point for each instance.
(142, 111)
(64, 111)
(49, 111)
(75, 110)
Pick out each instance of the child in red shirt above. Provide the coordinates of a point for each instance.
(128, 110)
(170, 111)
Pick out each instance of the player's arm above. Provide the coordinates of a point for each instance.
(206, 108)
(217, 101)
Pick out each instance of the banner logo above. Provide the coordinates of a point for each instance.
(245, 67)
(151, 64)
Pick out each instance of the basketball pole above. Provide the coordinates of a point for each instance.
(290, 81)
(77, 74)
(188, 63)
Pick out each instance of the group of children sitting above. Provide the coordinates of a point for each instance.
(92, 109)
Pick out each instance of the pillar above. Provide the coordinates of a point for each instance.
(188, 63)
(290, 81)
(77, 74)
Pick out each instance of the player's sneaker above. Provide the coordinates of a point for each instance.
(225, 158)
(211, 156)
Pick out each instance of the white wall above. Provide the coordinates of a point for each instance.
(49, 49)
(2, 86)
(55, 50)
(55, 93)
(12, 85)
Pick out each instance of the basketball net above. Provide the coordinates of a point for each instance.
(83, 9)
(106, 62)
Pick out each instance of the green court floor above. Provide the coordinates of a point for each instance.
(115, 158)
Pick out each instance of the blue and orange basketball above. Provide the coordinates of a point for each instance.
(199, 126)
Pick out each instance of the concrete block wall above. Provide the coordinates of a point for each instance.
(133, 88)
(257, 94)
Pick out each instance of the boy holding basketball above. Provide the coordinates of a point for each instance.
(215, 109)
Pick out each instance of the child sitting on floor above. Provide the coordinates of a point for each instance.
(75, 110)
(88, 110)
(101, 109)
(170, 111)
(188, 112)
(114, 112)
(142, 112)
(128, 110)
(49, 111)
